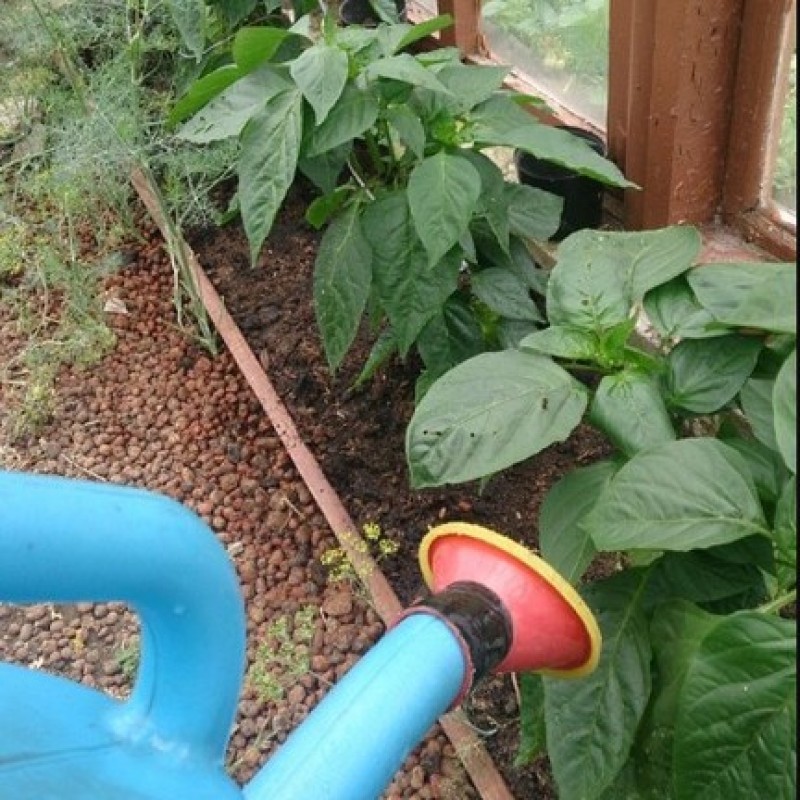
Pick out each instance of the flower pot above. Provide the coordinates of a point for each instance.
(360, 12)
(583, 196)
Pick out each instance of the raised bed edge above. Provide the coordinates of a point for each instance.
(469, 748)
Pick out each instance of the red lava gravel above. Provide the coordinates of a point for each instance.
(158, 413)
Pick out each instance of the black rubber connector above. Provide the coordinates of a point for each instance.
(480, 618)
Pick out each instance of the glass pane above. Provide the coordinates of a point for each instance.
(561, 44)
(784, 182)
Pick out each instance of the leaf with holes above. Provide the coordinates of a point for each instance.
(488, 413)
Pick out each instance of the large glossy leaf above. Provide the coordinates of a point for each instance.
(784, 400)
(443, 191)
(500, 121)
(321, 74)
(228, 113)
(735, 727)
(355, 112)
(253, 46)
(405, 68)
(785, 535)
(629, 409)
(488, 413)
(751, 295)
(562, 540)
(600, 275)
(411, 292)
(674, 311)
(705, 374)
(592, 722)
(532, 213)
(267, 163)
(676, 631)
(505, 294)
(189, 17)
(682, 495)
(757, 404)
(342, 278)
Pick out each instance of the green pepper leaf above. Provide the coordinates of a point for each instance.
(443, 192)
(267, 164)
(563, 542)
(342, 279)
(468, 425)
(784, 401)
(681, 495)
(705, 374)
(592, 722)
(751, 295)
(629, 409)
(735, 727)
(321, 74)
(410, 291)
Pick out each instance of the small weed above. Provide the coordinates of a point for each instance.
(127, 657)
(284, 656)
(373, 543)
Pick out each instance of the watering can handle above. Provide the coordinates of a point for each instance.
(67, 541)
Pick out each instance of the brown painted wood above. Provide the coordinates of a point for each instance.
(767, 35)
(671, 81)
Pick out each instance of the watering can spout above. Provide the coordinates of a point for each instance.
(494, 607)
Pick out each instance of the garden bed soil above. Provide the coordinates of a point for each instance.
(357, 436)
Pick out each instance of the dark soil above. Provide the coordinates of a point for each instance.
(357, 436)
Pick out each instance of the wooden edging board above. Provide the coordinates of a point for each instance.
(476, 760)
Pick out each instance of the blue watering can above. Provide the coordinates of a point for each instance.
(494, 607)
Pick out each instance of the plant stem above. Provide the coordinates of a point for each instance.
(374, 153)
(578, 367)
(773, 606)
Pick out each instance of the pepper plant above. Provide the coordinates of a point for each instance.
(422, 231)
(695, 692)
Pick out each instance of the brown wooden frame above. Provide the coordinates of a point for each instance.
(693, 88)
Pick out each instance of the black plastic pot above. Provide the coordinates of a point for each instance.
(583, 197)
(360, 12)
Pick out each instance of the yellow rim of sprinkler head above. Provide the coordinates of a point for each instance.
(524, 557)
